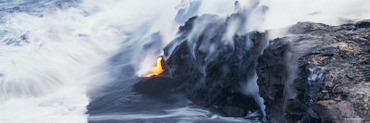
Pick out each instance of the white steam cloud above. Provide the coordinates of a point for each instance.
(283, 13)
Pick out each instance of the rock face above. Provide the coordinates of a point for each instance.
(213, 70)
(317, 73)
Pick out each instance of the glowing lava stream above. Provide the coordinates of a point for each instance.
(157, 70)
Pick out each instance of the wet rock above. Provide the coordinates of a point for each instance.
(317, 73)
(363, 24)
(214, 70)
(305, 27)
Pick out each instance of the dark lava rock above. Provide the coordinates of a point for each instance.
(304, 27)
(213, 70)
(319, 73)
(363, 24)
(212, 62)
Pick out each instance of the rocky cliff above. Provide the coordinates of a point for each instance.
(317, 73)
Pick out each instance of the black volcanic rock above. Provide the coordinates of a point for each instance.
(213, 70)
(363, 24)
(319, 73)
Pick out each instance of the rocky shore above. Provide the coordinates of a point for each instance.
(317, 73)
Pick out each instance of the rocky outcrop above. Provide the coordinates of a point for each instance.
(212, 69)
(317, 73)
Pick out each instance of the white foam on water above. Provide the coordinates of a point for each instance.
(46, 73)
(48, 61)
(181, 115)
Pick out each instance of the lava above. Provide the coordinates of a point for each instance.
(157, 70)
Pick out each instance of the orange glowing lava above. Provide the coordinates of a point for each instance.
(157, 70)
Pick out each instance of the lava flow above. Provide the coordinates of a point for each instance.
(157, 70)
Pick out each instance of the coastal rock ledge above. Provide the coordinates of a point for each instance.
(317, 73)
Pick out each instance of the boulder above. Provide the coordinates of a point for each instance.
(317, 73)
